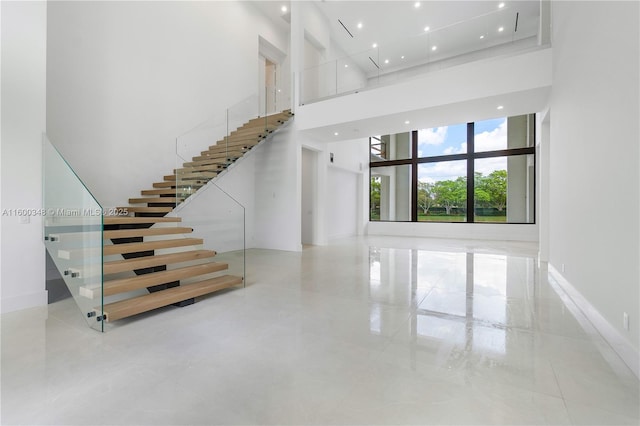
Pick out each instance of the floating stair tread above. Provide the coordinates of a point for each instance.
(211, 168)
(186, 177)
(154, 200)
(150, 245)
(147, 209)
(121, 220)
(167, 191)
(157, 260)
(172, 184)
(142, 232)
(126, 308)
(156, 278)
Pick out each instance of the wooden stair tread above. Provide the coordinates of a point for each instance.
(150, 245)
(147, 209)
(126, 308)
(122, 220)
(157, 260)
(233, 145)
(186, 178)
(145, 232)
(148, 200)
(183, 185)
(124, 285)
(168, 191)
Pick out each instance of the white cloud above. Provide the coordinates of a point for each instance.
(446, 170)
(493, 140)
(435, 136)
(488, 165)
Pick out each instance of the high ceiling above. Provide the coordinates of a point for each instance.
(399, 28)
(455, 27)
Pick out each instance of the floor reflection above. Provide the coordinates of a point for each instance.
(464, 298)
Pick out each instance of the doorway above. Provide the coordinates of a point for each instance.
(309, 206)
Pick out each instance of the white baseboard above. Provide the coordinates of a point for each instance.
(24, 301)
(624, 349)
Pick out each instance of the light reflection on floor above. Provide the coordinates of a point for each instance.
(377, 330)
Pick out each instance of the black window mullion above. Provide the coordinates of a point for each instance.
(414, 176)
(470, 172)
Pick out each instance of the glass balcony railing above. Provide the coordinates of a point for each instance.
(487, 35)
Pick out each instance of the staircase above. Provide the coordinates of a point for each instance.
(141, 278)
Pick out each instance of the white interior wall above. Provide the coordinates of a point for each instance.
(347, 187)
(342, 199)
(595, 182)
(277, 202)
(126, 78)
(309, 183)
(23, 90)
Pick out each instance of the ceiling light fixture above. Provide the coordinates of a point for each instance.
(284, 9)
(500, 107)
(386, 61)
(501, 5)
(407, 122)
(402, 57)
(416, 4)
(501, 29)
(434, 48)
(335, 133)
(426, 28)
(375, 45)
(482, 36)
(346, 65)
(359, 25)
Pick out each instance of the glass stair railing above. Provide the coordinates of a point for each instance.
(73, 233)
(159, 250)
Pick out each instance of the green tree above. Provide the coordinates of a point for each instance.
(481, 195)
(496, 186)
(374, 197)
(451, 193)
(426, 196)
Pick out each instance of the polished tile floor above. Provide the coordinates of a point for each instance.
(364, 331)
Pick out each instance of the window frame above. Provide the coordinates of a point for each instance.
(470, 156)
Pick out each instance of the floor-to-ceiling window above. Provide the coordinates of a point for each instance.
(481, 171)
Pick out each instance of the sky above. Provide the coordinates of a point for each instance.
(489, 135)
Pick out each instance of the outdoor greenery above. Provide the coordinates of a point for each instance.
(446, 200)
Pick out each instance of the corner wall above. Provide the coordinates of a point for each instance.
(594, 174)
(23, 88)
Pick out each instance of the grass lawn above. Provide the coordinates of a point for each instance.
(452, 218)
(460, 218)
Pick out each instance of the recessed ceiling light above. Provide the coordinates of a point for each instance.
(375, 45)
(501, 29)
(402, 57)
(407, 122)
(283, 9)
(335, 133)
(501, 5)
(500, 107)
(426, 28)
(386, 61)
(416, 4)
(482, 36)
(346, 65)
(434, 48)
(359, 25)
